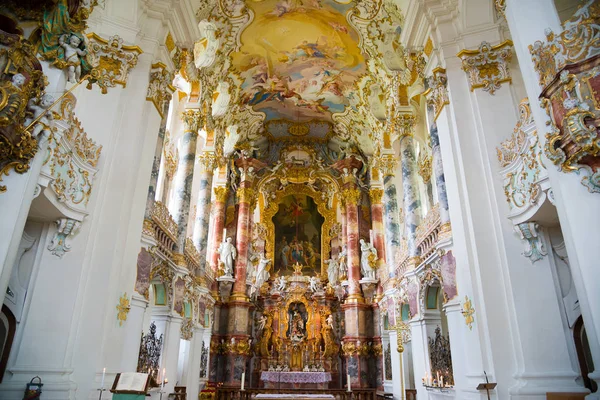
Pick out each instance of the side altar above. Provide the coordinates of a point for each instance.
(296, 334)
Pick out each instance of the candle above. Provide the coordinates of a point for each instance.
(224, 234)
(243, 380)
(349, 384)
(164, 376)
(103, 375)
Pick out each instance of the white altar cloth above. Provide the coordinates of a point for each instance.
(294, 396)
(295, 377)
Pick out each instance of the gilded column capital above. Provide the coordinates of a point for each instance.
(487, 67)
(192, 120)
(405, 123)
(437, 94)
(246, 195)
(221, 193)
(207, 161)
(388, 165)
(351, 196)
(160, 91)
(376, 194)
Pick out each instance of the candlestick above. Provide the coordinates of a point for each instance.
(103, 375)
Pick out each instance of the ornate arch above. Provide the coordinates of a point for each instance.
(431, 277)
(298, 297)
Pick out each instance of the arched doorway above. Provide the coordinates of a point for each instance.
(8, 326)
(584, 355)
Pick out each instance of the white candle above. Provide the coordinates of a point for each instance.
(349, 384)
(243, 380)
(162, 384)
(103, 375)
(224, 234)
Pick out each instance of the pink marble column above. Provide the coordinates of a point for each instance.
(245, 198)
(218, 218)
(377, 222)
(351, 198)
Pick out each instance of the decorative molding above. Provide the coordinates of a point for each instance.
(375, 194)
(468, 311)
(405, 124)
(487, 67)
(221, 193)
(160, 88)
(246, 195)
(535, 249)
(65, 227)
(123, 309)
(500, 7)
(351, 196)
(208, 161)
(112, 60)
(437, 93)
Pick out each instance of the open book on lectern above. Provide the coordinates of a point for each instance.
(131, 382)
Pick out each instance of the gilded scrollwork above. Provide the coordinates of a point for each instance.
(488, 66)
(112, 60)
(437, 93)
(160, 87)
(21, 80)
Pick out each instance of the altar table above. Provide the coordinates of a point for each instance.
(295, 379)
(273, 396)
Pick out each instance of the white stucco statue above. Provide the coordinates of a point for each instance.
(227, 253)
(220, 100)
(262, 275)
(368, 259)
(205, 49)
(72, 46)
(343, 262)
(280, 284)
(329, 321)
(262, 322)
(314, 284)
(332, 271)
(231, 138)
(39, 109)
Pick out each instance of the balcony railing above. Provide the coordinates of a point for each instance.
(192, 256)
(428, 232)
(165, 229)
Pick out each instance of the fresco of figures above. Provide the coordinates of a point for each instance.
(299, 60)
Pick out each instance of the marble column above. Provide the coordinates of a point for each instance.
(376, 195)
(246, 197)
(412, 201)
(440, 179)
(218, 220)
(200, 233)
(351, 198)
(160, 141)
(391, 219)
(184, 176)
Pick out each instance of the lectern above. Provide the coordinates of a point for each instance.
(130, 386)
(487, 386)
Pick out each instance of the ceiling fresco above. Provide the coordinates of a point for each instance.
(299, 60)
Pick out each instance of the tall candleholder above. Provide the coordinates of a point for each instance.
(101, 390)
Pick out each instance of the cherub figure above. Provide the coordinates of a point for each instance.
(280, 284)
(262, 321)
(71, 44)
(314, 284)
(39, 108)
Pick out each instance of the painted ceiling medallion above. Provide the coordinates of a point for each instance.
(299, 61)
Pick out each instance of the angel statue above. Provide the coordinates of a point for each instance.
(39, 110)
(262, 275)
(262, 321)
(227, 253)
(220, 101)
(314, 284)
(280, 284)
(368, 259)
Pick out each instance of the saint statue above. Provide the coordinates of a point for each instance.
(227, 253)
(262, 275)
(297, 323)
(368, 259)
(342, 259)
(332, 271)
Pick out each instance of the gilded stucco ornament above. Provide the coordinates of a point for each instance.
(488, 66)
(192, 120)
(112, 60)
(187, 329)
(65, 227)
(376, 194)
(572, 99)
(123, 309)
(21, 82)
(437, 93)
(468, 312)
(535, 249)
(520, 157)
(162, 217)
(160, 88)
(424, 164)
